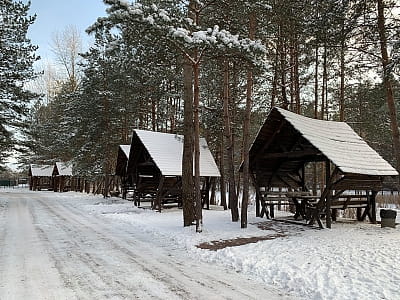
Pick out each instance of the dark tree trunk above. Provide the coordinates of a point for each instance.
(153, 115)
(292, 87)
(222, 182)
(187, 161)
(213, 186)
(196, 98)
(229, 148)
(296, 77)
(246, 131)
(275, 80)
(315, 112)
(388, 84)
(282, 55)
(316, 82)
(342, 75)
(324, 84)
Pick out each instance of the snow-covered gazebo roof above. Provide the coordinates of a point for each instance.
(40, 170)
(287, 141)
(125, 149)
(166, 151)
(62, 169)
(122, 159)
(340, 144)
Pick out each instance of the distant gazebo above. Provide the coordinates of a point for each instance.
(62, 177)
(40, 177)
(121, 168)
(155, 167)
(287, 142)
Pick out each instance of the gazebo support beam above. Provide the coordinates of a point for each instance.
(258, 194)
(292, 154)
(329, 195)
(157, 203)
(373, 207)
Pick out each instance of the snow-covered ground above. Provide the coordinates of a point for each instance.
(62, 246)
(352, 260)
(107, 248)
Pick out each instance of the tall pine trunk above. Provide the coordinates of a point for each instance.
(282, 55)
(222, 181)
(187, 160)
(342, 74)
(229, 147)
(324, 84)
(246, 131)
(296, 77)
(388, 84)
(196, 100)
(315, 111)
(274, 90)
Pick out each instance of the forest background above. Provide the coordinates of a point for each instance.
(231, 60)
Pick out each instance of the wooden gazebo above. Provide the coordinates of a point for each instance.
(121, 168)
(62, 177)
(287, 142)
(40, 177)
(155, 167)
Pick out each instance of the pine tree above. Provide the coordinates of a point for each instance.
(17, 56)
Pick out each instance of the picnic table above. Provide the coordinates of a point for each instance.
(301, 201)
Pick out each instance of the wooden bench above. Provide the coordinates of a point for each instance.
(341, 202)
(270, 199)
(349, 201)
(353, 201)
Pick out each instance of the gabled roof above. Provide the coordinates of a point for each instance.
(337, 141)
(122, 159)
(166, 151)
(62, 169)
(40, 170)
(125, 149)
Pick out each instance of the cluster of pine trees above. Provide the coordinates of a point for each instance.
(214, 69)
(16, 61)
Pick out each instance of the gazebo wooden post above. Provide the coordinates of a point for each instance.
(359, 213)
(367, 211)
(258, 194)
(157, 202)
(207, 193)
(329, 194)
(373, 206)
(303, 178)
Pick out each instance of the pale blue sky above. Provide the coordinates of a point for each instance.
(56, 15)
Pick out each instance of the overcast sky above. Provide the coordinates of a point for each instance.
(56, 15)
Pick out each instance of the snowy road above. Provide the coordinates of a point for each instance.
(51, 249)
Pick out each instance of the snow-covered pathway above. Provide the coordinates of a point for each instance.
(50, 249)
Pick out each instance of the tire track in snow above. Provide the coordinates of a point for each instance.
(77, 230)
(201, 282)
(27, 272)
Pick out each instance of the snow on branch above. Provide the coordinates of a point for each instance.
(179, 30)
